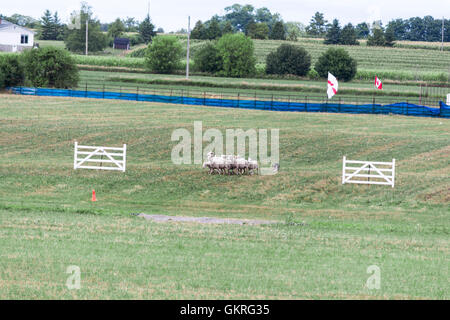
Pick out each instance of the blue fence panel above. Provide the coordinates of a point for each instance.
(402, 108)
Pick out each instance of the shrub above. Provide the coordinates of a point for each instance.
(313, 74)
(164, 54)
(288, 59)
(136, 39)
(338, 62)
(50, 67)
(237, 52)
(208, 59)
(12, 72)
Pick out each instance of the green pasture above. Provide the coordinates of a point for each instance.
(327, 236)
(263, 89)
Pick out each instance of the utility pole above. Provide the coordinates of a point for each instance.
(187, 51)
(87, 27)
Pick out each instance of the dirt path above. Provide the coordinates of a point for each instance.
(163, 218)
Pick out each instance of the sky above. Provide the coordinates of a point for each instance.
(172, 15)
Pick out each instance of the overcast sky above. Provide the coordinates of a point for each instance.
(172, 15)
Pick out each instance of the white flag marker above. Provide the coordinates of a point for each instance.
(333, 86)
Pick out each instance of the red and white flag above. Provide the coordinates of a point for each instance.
(333, 86)
(378, 83)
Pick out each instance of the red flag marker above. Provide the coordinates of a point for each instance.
(94, 198)
(378, 83)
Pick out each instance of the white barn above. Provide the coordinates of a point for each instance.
(15, 38)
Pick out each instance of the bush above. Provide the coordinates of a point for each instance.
(50, 67)
(237, 52)
(338, 62)
(208, 59)
(12, 72)
(313, 74)
(288, 59)
(164, 54)
(136, 39)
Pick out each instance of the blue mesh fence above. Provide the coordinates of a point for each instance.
(402, 108)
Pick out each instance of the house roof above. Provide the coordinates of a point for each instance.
(6, 25)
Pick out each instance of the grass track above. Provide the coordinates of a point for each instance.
(327, 237)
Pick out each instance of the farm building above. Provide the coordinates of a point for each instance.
(15, 38)
(121, 43)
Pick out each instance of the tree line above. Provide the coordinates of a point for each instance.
(256, 23)
(412, 29)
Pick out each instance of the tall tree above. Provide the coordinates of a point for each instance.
(317, 25)
(47, 26)
(362, 30)
(58, 27)
(199, 31)
(147, 29)
(227, 28)
(294, 30)
(377, 38)
(348, 35)
(213, 32)
(333, 35)
(389, 37)
(240, 16)
(116, 29)
(131, 25)
(278, 31)
(417, 29)
(399, 28)
(263, 15)
(75, 38)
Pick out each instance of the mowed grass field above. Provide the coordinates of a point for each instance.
(327, 236)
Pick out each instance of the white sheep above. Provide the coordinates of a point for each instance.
(252, 166)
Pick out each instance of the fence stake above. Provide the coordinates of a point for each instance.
(306, 103)
(373, 104)
(238, 99)
(289, 102)
(103, 91)
(85, 91)
(255, 99)
(204, 98)
(137, 93)
(271, 103)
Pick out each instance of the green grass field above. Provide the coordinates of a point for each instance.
(296, 90)
(328, 234)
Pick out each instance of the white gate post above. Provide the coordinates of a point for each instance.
(124, 156)
(393, 172)
(343, 170)
(75, 159)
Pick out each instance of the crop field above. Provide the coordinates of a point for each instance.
(396, 63)
(326, 237)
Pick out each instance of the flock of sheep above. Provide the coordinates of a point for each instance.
(230, 164)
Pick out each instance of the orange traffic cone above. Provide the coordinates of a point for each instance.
(93, 196)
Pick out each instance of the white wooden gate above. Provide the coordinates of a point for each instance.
(382, 173)
(114, 158)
